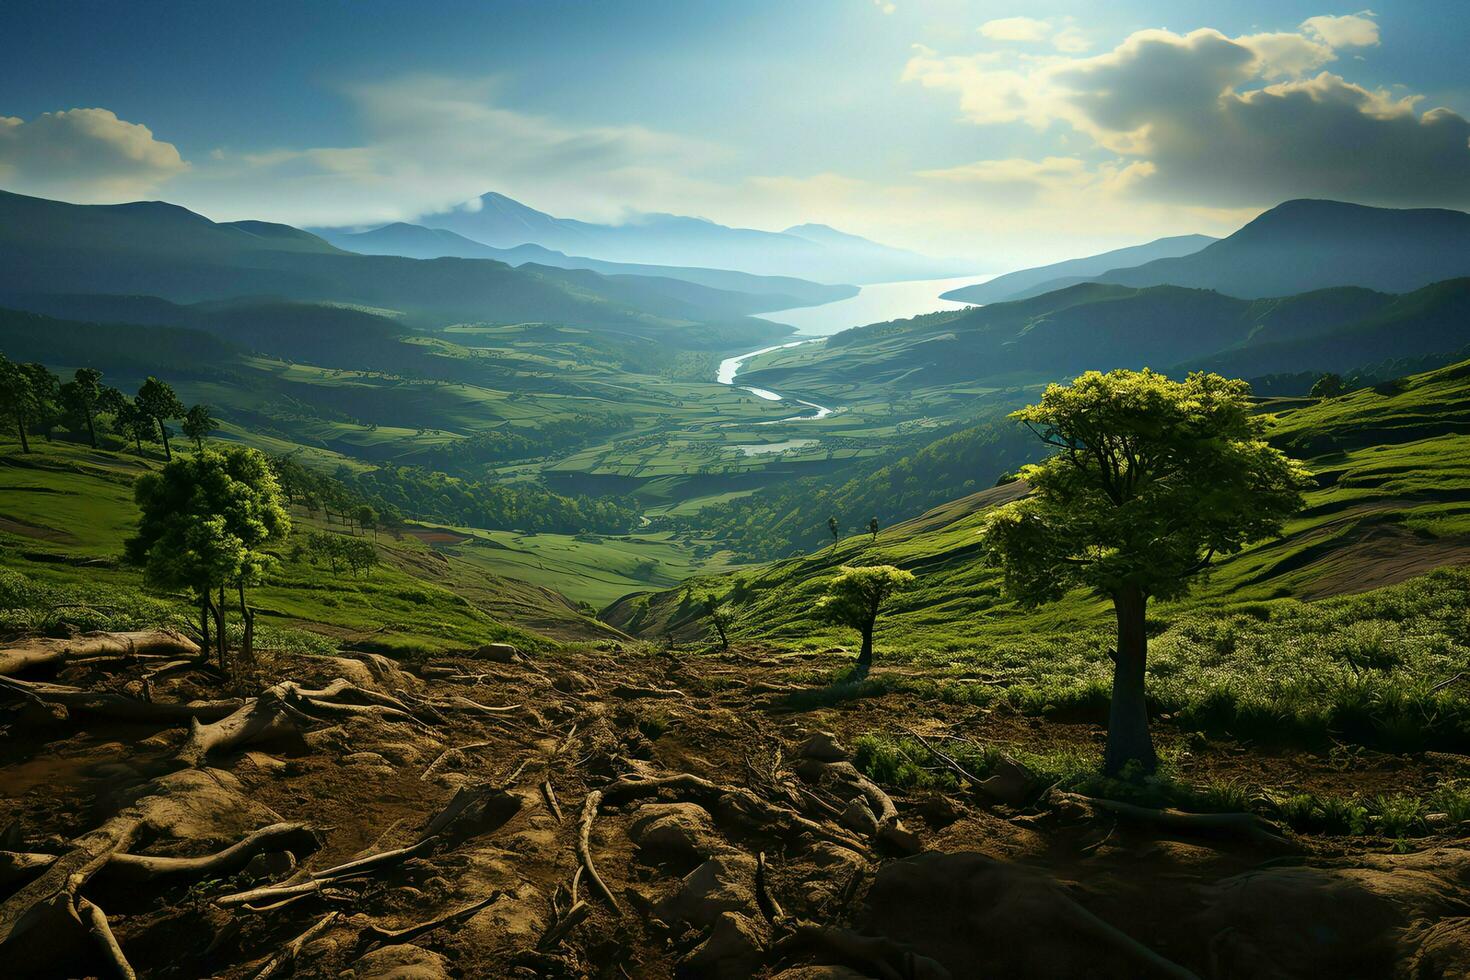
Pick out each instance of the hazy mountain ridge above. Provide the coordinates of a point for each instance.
(676, 240)
(416, 241)
(157, 249)
(1025, 283)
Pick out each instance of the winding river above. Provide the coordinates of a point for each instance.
(814, 324)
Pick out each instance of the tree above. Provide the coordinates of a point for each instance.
(204, 524)
(873, 529)
(45, 397)
(156, 400)
(1329, 386)
(82, 396)
(198, 423)
(854, 598)
(366, 518)
(133, 424)
(832, 526)
(18, 399)
(1151, 480)
(721, 616)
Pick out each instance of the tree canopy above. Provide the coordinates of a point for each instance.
(206, 521)
(156, 400)
(854, 599)
(1151, 480)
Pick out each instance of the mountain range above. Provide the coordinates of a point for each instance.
(158, 249)
(418, 242)
(1043, 279)
(1296, 247)
(809, 251)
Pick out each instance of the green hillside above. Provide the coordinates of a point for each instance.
(1393, 502)
(65, 511)
(1099, 326)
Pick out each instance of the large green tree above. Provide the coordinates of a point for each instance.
(82, 398)
(198, 424)
(1151, 480)
(18, 399)
(205, 523)
(157, 400)
(855, 597)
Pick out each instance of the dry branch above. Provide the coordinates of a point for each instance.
(409, 933)
(584, 848)
(287, 955)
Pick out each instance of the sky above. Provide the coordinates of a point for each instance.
(1004, 132)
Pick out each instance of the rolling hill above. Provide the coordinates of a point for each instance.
(1393, 502)
(1047, 278)
(1304, 245)
(1103, 326)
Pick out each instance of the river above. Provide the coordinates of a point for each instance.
(873, 304)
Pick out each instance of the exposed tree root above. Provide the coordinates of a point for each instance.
(294, 837)
(96, 923)
(584, 849)
(734, 803)
(37, 652)
(287, 955)
(120, 707)
(1243, 825)
(266, 717)
(549, 794)
(883, 957)
(378, 934)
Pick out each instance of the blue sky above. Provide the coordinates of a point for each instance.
(1000, 130)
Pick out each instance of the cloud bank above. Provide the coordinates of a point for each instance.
(84, 155)
(1222, 121)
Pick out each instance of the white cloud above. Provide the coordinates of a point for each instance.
(1016, 29)
(1351, 31)
(1225, 121)
(433, 142)
(84, 155)
(885, 6)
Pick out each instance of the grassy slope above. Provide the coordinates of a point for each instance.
(1394, 503)
(65, 510)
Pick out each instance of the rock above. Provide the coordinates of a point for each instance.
(835, 867)
(402, 962)
(400, 753)
(965, 908)
(365, 759)
(498, 653)
(573, 682)
(681, 829)
(858, 816)
(1010, 783)
(270, 866)
(822, 746)
(265, 763)
(1344, 920)
(733, 951)
(724, 883)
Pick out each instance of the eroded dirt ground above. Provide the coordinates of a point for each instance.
(426, 821)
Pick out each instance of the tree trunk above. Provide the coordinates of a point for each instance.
(204, 614)
(220, 637)
(25, 444)
(138, 441)
(247, 643)
(1128, 735)
(163, 432)
(865, 656)
(92, 429)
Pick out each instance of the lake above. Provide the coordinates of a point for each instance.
(877, 302)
